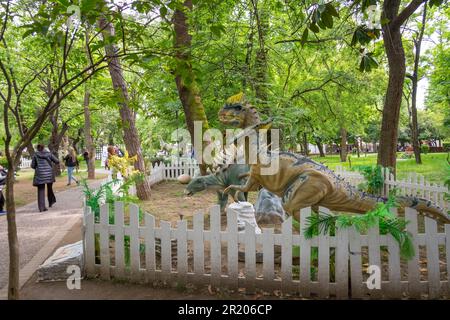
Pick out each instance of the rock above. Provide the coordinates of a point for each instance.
(246, 214)
(184, 179)
(268, 208)
(55, 267)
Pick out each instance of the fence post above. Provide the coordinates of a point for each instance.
(134, 241)
(232, 248)
(324, 261)
(215, 244)
(413, 264)
(104, 242)
(89, 242)
(305, 255)
(119, 240)
(286, 255)
(250, 258)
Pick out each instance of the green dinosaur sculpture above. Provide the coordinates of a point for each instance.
(302, 182)
(218, 181)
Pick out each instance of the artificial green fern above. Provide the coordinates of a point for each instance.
(388, 224)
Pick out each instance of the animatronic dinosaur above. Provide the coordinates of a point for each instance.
(302, 182)
(238, 113)
(219, 181)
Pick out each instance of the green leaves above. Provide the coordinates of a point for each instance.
(323, 223)
(304, 37)
(435, 3)
(368, 62)
(321, 18)
(364, 35)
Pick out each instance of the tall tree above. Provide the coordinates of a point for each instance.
(90, 148)
(392, 20)
(14, 93)
(185, 78)
(414, 84)
(127, 115)
(261, 14)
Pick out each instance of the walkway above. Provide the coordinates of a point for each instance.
(40, 233)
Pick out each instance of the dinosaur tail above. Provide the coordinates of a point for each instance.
(424, 207)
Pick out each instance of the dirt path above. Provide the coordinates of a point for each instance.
(40, 233)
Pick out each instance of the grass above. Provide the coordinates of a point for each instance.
(434, 166)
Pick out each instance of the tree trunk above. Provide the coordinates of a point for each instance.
(55, 140)
(90, 148)
(13, 283)
(357, 148)
(305, 143)
(320, 146)
(396, 60)
(128, 116)
(30, 149)
(343, 146)
(415, 81)
(188, 89)
(88, 136)
(261, 64)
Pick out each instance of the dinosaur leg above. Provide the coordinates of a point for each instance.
(307, 191)
(222, 200)
(250, 185)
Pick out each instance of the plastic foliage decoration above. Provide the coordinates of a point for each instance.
(324, 223)
(123, 165)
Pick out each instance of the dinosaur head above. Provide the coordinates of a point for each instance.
(238, 113)
(197, 184)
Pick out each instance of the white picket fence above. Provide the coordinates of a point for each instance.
(25, 163)
(413, 185)
(210, 256)
(173, 170)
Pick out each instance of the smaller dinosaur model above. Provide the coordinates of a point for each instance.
(218, 181)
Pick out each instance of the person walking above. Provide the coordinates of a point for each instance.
(86, 157)
(71, 162)
(3, 174)
(42, 163)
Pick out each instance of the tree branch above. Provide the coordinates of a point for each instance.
(406, 13)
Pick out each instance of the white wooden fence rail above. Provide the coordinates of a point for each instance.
(413, 184)
(141, 251)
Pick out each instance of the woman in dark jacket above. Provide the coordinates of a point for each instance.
(42, 164)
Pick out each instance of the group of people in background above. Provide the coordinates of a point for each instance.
(43, 162)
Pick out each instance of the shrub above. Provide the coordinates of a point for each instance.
(374, 178)
(4, 162)
(446, 146)
(425, 148)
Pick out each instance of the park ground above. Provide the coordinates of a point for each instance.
(41, 234)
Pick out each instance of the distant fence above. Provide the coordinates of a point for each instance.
(413, 184)
(25, 163)
(136, 249)
(173, 170)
